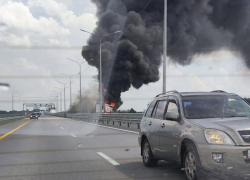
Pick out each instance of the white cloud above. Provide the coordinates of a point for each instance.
(16, 14)
(22, 62)
(68, 17)
(59, 42)
(14, 40)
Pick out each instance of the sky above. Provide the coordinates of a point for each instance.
(37, 37)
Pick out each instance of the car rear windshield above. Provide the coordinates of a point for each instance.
(213, 106)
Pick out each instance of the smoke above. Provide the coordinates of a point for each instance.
(89, 98)
(194, 27)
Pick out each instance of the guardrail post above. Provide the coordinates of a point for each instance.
(138, 125)
(120, 123)
(113, 123)
(128, 125)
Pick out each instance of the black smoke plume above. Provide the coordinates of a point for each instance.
(194, 27)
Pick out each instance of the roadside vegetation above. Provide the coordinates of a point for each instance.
(10, 121)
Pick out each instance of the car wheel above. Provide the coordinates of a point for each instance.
(147, 155)
(191, 163)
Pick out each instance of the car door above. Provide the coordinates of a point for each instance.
(153, 127)
(170, 132)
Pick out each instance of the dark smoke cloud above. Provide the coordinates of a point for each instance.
(194, 27)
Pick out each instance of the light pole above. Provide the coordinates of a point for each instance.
(60, 97)
(100, 39)
(165, 44)
(56, 100)
(64, 84)
(13, 100)
(80, 65)
(70, 76)
(53, 100)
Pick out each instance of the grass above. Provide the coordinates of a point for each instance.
(10, 121)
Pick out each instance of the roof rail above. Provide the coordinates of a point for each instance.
(174, 91)
(219, 91)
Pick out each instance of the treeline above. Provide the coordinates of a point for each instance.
(127, 111)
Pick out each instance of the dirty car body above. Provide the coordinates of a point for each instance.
(215, 124)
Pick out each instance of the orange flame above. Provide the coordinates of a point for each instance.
(112, 104)
(105, 90)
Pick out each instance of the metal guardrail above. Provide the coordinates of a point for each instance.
(10, 115)
(128, 118)
(11, 118)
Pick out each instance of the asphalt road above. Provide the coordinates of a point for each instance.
(54, 148)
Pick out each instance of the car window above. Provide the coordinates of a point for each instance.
(150, 109)
(160, 109)
(213, 106)
(172, 107)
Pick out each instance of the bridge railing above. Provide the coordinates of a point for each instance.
(121, 118)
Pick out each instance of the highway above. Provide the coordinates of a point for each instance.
(54, 148)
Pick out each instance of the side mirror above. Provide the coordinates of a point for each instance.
(172, 116)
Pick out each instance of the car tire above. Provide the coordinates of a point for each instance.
(147, 155)
(192, 164)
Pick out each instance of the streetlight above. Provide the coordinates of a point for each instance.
(70, 76)
(56, 100)
(13, 100)
(80, 65)
(64, 84)
(60, 97)
(165, 44)
(53, 100)
(100, 39)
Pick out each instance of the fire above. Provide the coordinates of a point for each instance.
(112, 104)
(105, 90)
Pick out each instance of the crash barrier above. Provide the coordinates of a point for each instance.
(11, 118)
(10, 115)
(111, 119)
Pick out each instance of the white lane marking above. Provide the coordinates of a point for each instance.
(73, 135)
(108, 159)
(62, 128)
(110, 127)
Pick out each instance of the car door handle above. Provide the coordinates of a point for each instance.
(150, 123)
(162, 125)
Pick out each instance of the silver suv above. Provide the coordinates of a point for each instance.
(205, 132)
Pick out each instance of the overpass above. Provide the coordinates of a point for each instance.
(38, 105)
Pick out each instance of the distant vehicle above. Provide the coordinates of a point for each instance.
(39, 114)
(34, 116)
(206, 133)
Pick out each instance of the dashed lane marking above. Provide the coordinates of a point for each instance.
(108, 159)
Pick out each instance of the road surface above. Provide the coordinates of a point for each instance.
(54, 148)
